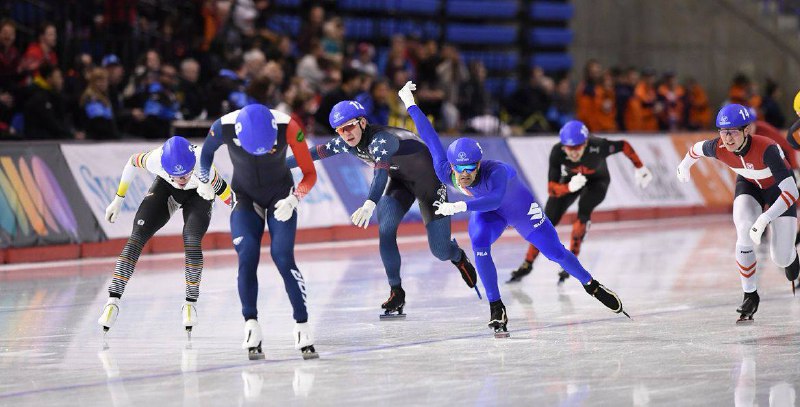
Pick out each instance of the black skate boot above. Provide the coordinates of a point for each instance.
(394, 305)
(498, 319)
(562, 276)
(793, 271)
(523, 270)
(748, 308)
(467, 270)
(606, 296)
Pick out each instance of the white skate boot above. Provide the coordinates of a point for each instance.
(109, 315)
(189, 312)
(252, 340)
(304, 341)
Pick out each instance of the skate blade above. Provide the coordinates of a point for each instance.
(256, 356)
(478, 291)
(390, 317)
(310, 355)
(513, 280)
(501, 335)
(744, 321)
(626, 314)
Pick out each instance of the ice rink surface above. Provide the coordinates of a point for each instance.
(677, 279)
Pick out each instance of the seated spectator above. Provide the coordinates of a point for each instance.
(96, 109)
(623, 92)
(644, 107)
(190, 93)
(586, 100)
(698, 110)
(740, 90)
(7, 116)
(45, 114)
(671, 95)
(474, 99)
(605, 107)
(363, 60)
(375, 102)
(333, 39)
(310, 66)
(9, 56)
(528, 104)
(159, 105)
(42, 51)
(226, 92)
(351, 82)
(770, 108)
(562, 108)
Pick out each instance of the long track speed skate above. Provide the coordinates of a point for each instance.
(189, 313)
(748, 308)
(523, 270)
(304, 341)
(252, 340)
(394, 305)
(499, 319)
(562, 276)
(109, 315)
(606, 296)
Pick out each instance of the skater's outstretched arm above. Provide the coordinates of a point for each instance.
(705, 148)
(296, 140)
(642, 175)
(321, 151)
(427, 133)
(212, 143)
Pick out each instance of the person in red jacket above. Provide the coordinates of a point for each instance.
(43, 51)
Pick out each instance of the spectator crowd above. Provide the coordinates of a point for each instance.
(208, 57)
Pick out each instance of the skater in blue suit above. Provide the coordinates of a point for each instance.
(500, 200)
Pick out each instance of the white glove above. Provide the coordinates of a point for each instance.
(683, 170)
(406, 96)
(206, 191)
(112, 211)
(361, 216)
(451, 208)
(577, 182)
(758, 228)
(285, 207)
(643, 177)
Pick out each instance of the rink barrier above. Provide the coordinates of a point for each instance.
(87, 174)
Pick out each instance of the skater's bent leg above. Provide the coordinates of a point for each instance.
(591, 196)
(745, 212)
(282, 236)
(196, 216)
(532, 254)
(440, 242)
(151, 216)
(390, 213)
(782, 248)
(545, 238)
(247, 227)
(484, 229)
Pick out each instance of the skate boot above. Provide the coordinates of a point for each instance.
(252, 340)
(189, 312)
(523, 270)
(562, 276)
(467, 270)
(748, 308)
(303, 341)
(394, 305)
(498, 319)
(606, 296)
(793, 271)
(109, 315)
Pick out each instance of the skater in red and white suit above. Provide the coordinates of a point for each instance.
(763, 179)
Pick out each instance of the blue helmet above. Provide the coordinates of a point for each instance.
(734, 116)
(574, 133)
(345, 111)
(464, 151)
(256, 129)
(177, 156)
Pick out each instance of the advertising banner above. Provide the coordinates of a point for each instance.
(40, 203)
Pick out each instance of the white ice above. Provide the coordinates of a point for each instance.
(677, 279)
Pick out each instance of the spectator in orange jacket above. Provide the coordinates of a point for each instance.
(670, 93)
(586, 93)
(644, 105)
(698, 111)
(605, 108)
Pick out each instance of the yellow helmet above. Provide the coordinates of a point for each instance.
(797, 103)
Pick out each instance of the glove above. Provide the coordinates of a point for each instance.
(683, 171)
(451, 208)
(285, 207)
(361, 216)
(577, 182)
(758, 228)
(206, 191)
(406, 96)
(643, 177)
(112, 211)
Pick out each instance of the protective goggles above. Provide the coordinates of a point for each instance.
(574, 148)
(465, 167)
(347, 127)
(731, 132)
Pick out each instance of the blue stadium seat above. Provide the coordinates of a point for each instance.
(284, 24)
(481, 34)
(493, 60)
(372, 5)
(359, 28)
(550, 36)
(551, 11)
(552, 61)
(288, 3)
(501, 87)
(482, 8)
(423, 7)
